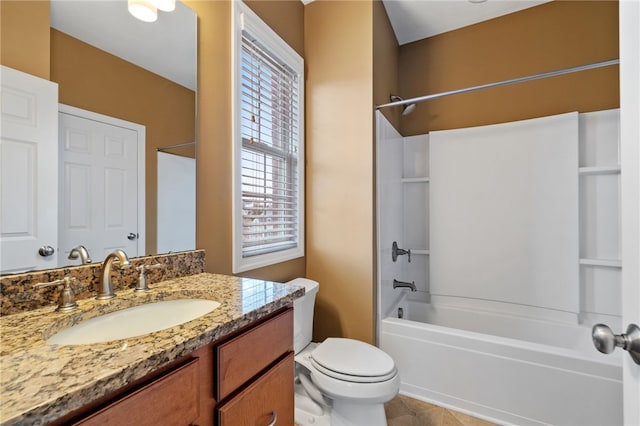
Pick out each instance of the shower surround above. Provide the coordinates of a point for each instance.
(507, 356)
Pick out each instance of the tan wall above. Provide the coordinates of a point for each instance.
(214, 152)
(94, 80)
(553, 36)
(286, 18)
(385, 63)
(24, 36)
(338, 51)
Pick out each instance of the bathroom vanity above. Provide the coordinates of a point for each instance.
(215, 369)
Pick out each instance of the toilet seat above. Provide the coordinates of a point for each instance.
(352, 361)
(365, 393)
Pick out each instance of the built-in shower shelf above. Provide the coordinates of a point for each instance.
(600, 170)
(610, 263)
(415, 180)
(418, 251)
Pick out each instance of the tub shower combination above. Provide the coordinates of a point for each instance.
(483, 317)
(466, 360)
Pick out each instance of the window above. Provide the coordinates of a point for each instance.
(268, 105)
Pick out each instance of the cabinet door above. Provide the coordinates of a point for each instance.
(267, 401)
(241, 358)
(169, 400)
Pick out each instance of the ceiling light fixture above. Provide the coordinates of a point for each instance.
(144, 10)
(165, 5)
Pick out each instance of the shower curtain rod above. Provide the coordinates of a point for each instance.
(501, 83)
(180, 145)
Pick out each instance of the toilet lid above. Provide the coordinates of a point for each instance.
(352, 360)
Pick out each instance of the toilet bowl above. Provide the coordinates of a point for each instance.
(338, 381)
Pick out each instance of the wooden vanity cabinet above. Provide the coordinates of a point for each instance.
(171, 399)
(255, 375)
(266, 401)
(245, 378)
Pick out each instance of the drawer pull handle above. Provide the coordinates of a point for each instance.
(275, 418)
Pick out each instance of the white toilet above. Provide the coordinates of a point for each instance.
(338, 381)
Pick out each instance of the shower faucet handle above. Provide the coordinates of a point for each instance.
(396, 251)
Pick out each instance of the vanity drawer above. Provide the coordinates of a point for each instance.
(267, 401)
(171, 399)
(242, 357)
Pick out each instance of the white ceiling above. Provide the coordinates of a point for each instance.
(166, 47)
(417, 19)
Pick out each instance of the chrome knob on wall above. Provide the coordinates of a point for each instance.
(396, 251)
(605, 341)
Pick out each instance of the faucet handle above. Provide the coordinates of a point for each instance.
(397, 251)
(67, 299)
(121, 265)
(142, 286)
(143, 268)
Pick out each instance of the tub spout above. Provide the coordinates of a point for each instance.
(403, 284)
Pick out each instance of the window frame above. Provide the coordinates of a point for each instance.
(244, 19)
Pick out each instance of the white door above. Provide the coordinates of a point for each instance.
(29, 172)
(99, 191)
(630, 193)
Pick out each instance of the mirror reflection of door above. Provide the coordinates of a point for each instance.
(100, 195)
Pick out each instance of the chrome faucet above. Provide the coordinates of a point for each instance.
(80, 251)
(402, 284)
(106, 287)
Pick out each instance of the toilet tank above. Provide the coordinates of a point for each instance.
(303, 313)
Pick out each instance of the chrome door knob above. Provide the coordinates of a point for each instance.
(45, 251)
(605, 341)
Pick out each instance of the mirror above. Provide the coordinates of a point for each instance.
(110, 63)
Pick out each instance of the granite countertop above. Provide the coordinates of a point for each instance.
(40, 382)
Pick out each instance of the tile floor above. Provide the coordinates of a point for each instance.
(405, 411)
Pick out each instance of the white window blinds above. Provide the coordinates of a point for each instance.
(270, 130)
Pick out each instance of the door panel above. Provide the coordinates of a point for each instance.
(630, 194)
(99, 171)
(29, 177)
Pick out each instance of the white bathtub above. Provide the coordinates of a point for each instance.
(506, 369)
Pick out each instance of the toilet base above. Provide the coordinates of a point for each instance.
(308, 412)
(346, 413)
(343, 416)
(341, 413)
(304, 418)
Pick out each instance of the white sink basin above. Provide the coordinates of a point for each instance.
(135, 321)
